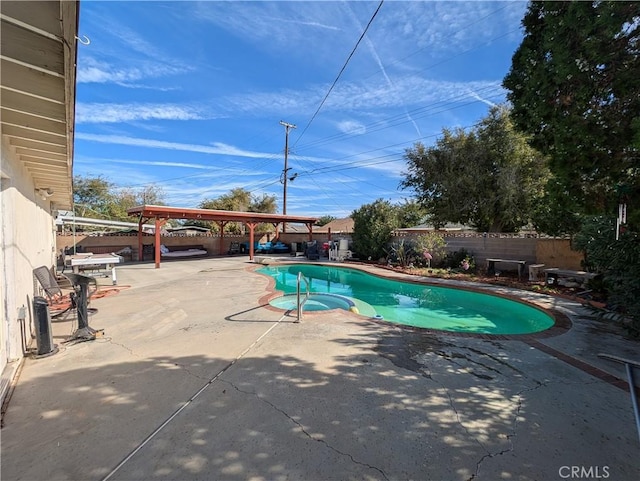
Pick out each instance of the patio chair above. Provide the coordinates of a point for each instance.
(312, 251)
(58, 301)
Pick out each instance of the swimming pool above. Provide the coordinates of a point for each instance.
(412, 304)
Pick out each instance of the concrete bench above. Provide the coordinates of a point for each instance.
(553, 274)
(491, 265)
(534, 272)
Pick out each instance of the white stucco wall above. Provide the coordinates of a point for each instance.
(27, 240)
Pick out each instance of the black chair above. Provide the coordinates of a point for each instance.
(312, 252)
(58, 301)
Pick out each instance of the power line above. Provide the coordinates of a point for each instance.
(400, 119)
(341, 71)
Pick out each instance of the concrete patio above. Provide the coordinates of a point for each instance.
(194, 379)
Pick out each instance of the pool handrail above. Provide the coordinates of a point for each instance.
(299, 304)
(630, 365)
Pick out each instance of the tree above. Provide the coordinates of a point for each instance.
(575, 89)
(325, 219)
(266, 204)
(488, 177)
(98, 198)
(92, 197)
(410, 213)
(239, 200)
(556, 213)
(372, 228)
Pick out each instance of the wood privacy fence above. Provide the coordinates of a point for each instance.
(553, 252)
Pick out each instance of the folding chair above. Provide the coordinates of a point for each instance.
(59, 302)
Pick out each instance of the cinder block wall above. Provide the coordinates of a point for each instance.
(548, 251)
(483, 248)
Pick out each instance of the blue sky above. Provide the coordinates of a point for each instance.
(189, 96)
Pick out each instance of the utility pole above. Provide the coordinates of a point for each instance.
(287, 127)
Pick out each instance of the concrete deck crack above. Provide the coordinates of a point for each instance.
(511, 435)
(429, 375)
(304, 431)
(111, 341)
(181, 366)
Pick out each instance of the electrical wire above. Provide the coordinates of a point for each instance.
(393, 121)
(340, 73)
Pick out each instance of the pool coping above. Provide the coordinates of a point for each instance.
(561, 322)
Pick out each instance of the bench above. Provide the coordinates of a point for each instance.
(491, 265)
(553, 274)
(187, 250)
(534, 272)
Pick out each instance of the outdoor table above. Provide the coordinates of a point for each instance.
(109, 261)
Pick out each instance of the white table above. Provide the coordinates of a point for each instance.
(109, 261)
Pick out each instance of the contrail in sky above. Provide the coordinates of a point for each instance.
(375, 56)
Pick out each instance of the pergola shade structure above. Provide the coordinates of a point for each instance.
(161, 214)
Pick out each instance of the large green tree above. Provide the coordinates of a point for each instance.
(98, 198)
(488, 177)
(240, 200)
(373, 224)
(372, 227)
(574, 85)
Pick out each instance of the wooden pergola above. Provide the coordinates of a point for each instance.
(161, 214)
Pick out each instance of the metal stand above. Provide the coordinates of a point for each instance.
(81, 288)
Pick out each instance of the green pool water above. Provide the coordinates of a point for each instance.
(419, 305)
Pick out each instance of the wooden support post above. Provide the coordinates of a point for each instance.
(252, 226)
(221, 224)
(140, 246)
(159, 224)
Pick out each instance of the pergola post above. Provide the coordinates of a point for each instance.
(252, 226)
(221, 224)
(140, 253)
(310, 229)
(275, 227)
(159, 224)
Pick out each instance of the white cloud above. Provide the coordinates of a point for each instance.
(351, 127)
(91, 70)
(111, 113)
(364, 96)
(160, 163)
(217, 149)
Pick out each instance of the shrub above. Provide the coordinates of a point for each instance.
(433, 244)
(617, 261)
(455, 260)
